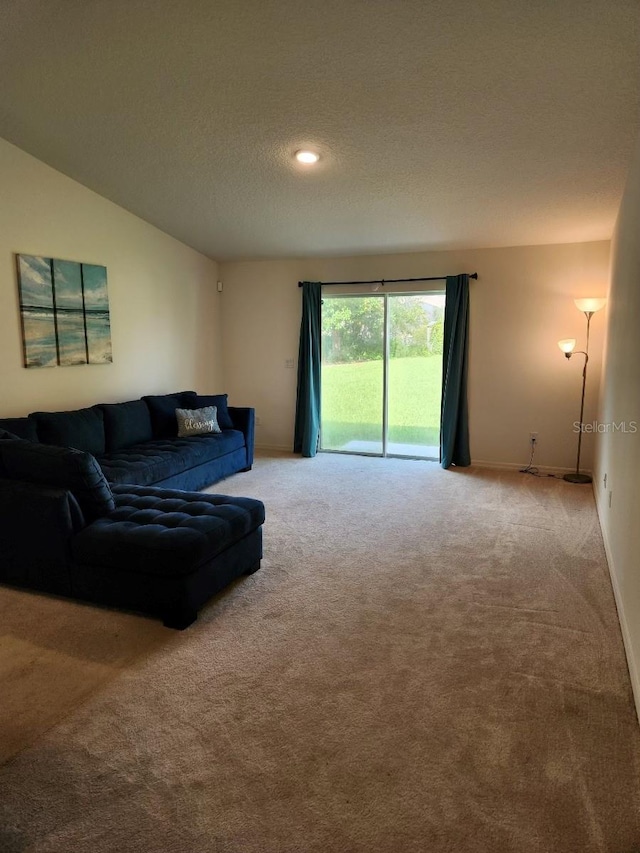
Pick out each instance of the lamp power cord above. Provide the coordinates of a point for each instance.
(532, 469)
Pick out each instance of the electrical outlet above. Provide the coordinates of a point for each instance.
(533, 438)
(258, 421)
(290, 363)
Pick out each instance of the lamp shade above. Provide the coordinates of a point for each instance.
(590, 304)
(567, 345)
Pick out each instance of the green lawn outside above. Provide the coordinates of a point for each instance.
(352, 402)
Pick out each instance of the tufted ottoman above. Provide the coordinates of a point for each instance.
(166, 552)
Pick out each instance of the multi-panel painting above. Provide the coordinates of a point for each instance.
(64, 307)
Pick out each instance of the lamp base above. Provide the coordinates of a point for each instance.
(577, 478)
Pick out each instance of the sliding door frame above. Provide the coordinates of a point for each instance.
(385, 374)
(386, 360)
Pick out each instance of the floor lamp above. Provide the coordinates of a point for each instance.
(589, 307)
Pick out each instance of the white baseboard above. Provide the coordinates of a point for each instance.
(634, 672)
(517, 466)
(478, 463)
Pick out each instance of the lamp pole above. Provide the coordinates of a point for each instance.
(578, 477)
(588, 306)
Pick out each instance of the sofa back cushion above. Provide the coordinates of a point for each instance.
(82, 429)
(220, 402)
(162, 409)
(21, 427)
(60, 467)
(126, 424)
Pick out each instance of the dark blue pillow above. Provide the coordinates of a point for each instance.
(81, 428)
(220, 402)
(60, 467)
(6, 434)
(162, 409)
(20, 427)
(126, 424)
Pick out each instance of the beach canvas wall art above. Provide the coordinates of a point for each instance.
(64, 306)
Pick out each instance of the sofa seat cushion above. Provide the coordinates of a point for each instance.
(165, 532)
(154, 461)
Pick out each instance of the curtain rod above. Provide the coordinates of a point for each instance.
(384, 281)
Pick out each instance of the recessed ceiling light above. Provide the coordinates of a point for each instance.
(307, 156)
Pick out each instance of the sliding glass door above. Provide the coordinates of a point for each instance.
(382, 374)
(415, 327)
(352, 374)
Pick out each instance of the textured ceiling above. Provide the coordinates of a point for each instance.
(440, 124)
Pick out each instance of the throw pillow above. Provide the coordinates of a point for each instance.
(5, 434)
(21, 427)
(162, 409)
(197, 421)
(220, 402)
(59, 467)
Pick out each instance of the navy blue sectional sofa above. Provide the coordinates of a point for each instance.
(94, 505)
(136, 442)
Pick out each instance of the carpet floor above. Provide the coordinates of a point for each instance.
(428, 662)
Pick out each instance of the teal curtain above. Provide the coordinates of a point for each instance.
(454, 416)
(307, 426)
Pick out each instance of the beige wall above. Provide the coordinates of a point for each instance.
(618, 453)
(165, 311)
(521, 306)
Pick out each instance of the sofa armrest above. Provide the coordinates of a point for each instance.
(36, 526)
(244, 419)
